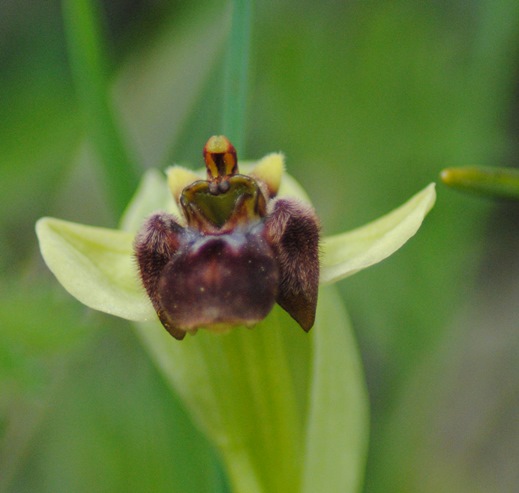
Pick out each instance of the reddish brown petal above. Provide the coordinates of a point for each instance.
(158, 240)
(292, 229)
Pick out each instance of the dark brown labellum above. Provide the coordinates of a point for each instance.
(227, 279)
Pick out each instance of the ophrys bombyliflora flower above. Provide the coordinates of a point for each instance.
(235, 252)
(98, 267)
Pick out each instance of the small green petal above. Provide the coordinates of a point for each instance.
(96, 266)
(348, 253)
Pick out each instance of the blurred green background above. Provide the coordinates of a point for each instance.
(369, 101)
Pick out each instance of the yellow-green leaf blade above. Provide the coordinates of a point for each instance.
(348, 253)
(96, 266)
(239, 388)
(337, 428)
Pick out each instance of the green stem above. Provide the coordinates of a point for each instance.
(89, 68)
(236, 73)
(493, 182)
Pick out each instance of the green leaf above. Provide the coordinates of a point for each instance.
(96, 266)
(337, 430)
(492, 182)
(158, 90)
(251, 391)
(236, 79)
(240, 390)
(348, 253)
(89, 67)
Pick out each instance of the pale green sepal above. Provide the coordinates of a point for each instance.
(179, 178)
(96, 266)
(348, 253)
(337, 427)
(290, 187)
(152, 195)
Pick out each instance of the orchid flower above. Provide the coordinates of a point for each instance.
(286, 408)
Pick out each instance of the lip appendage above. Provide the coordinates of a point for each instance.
(238, 251)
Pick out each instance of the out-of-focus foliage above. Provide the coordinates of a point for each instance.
(369, 101)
